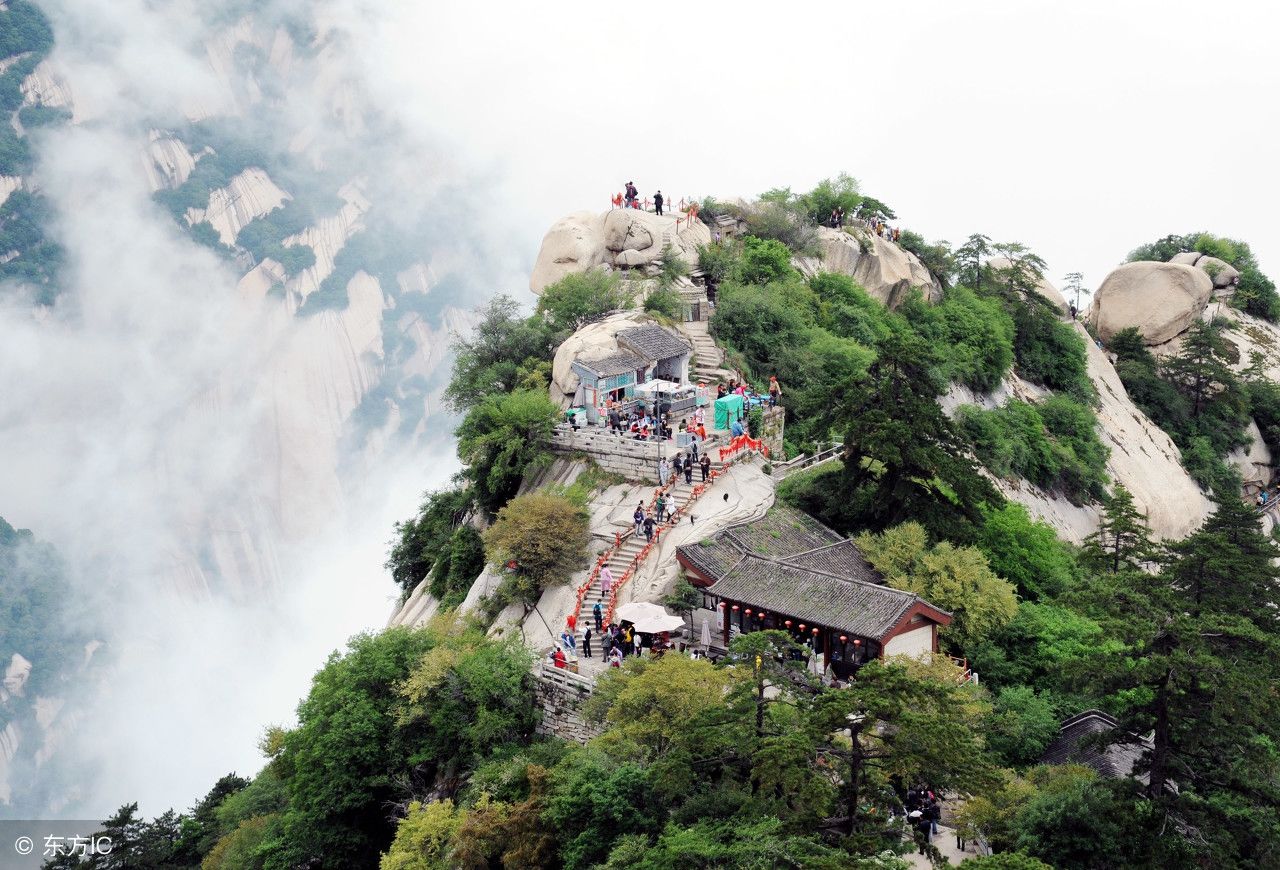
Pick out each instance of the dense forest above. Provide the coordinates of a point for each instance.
(418, 748)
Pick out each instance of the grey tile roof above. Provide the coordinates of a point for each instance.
(790, 563)
(653, 342)
(1075, 746)
(614, 364)
(860, 608)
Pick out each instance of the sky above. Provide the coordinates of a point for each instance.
(1079, 129)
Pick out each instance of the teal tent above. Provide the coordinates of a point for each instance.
(728, 409)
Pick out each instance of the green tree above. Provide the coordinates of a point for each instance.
(969, 258)
(1122, 541)
(545, 534)
(1021, 725)
(763, 261)
(502, 437)
(1026, 552)
(1199, 369)
(1004, 861)
(902, 456)
(828, 194)
(423, 546)
(503, 347)
(1196, 673)
(582, 297)
(423, 838)
(957, 579)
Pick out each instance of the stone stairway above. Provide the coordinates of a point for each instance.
(708, 360)
(680, 494)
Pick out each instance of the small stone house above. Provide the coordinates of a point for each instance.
(788, 571)
(644, 353)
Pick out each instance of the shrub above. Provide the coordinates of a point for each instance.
(423, 546)
(1021, 725)
(784, 224)
(1053, 444)
(763, 261)
(1050, 352)
(32, 117)
(578, 299)
(1026, 552)
(545, 534)
(664, 303)
(717, 261)
(973, 335)
(500, 438)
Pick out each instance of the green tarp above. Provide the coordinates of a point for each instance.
(728, 409)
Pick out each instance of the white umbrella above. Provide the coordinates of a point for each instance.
(657, 624)
(638, 610)
(706, 635)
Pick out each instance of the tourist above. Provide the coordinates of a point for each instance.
(648, 528)
(586, 643)
(922, 826)
(934, 811)
(1262, 497)
(657, 202)
(679, 464)
(558, 659)
(775, 391)
(705, 465)
(699, 416)
(627, 640)
(719, 391)
(664, 471)
(596, 610)
(688, 467)
(684, 424)
(736, 430)
(615, 658)
(661, 506)
(638, 518)
(606, 581)
(606, 644)
(632, 195)
(568, 641)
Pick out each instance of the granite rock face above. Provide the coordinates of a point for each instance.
(1160, 300)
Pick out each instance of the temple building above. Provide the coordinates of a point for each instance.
(788, 571)
(645, 353)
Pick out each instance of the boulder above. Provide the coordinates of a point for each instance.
(1159, 299)
(1222, 273)
(885, 270)
(1186, 258)
(628, 238)
(1044, 288)
(592, 341)
(573, 244)
(629, 229)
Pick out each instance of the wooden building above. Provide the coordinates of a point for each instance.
(788, 571)
(645, 353)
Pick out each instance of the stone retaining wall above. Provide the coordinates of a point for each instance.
(561, 710)
(634, 460)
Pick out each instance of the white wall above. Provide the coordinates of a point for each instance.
(916, 643)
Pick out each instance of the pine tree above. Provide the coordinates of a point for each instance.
(1123, 539)
(969, 260)
(1197, 673)
(1199, 369)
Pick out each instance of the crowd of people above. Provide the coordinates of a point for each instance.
(923, 812)
(616, 642)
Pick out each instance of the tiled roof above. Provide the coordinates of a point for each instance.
(615, 364)
(1074, 746)
(865, 609)
(653, 342)
(788, 562)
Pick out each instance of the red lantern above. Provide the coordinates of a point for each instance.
(802, 626)
(844, 638)
(747, 611)
(735, 607)
(787, 623)
(760, 613)
(857, 641)
(815, 631)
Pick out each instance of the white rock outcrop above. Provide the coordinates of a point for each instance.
(8, 184)
(885, 270)
(249, 195)
(1222, 273)
(624, 238)
(1159, 299)
(1253, 461)
(46, 87)
(1142, 457)
(167, 161)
